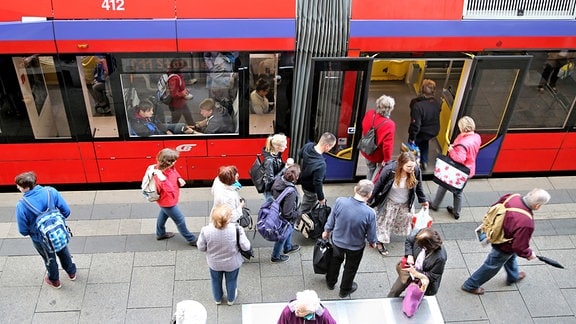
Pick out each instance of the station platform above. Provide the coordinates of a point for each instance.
(126, 276)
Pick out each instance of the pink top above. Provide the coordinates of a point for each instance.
(169, 190)
(466, 156)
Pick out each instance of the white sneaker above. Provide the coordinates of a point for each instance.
(230, 303)
(189, 96)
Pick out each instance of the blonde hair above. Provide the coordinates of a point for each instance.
(428, 88)
(207, 104)
(385, 105)
(466, 124)
(166, 157)
(404, 158)
(273, 141)
(221, 215)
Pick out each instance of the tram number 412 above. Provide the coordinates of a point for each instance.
(114, 5)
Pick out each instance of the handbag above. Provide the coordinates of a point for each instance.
(311, 223)
(246, 219)
(450, 174)
(247, 254)
(321, 256)
(412, 299)
(257, 173)
(422, 219)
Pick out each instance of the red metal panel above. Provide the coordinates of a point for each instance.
(413, 9)
(113, 46)
(569, 141)
(15, 10)
(125, 150)
(188, 147)
(207, 168)
(565, 160)
(18, 47)
(48, 171)
(126, 170)
(526, 160)
(40, 152)
(113, 9)
(229, 147)
(237, 44)
(398, 44)
(236, 9)
(523, 141)
(88, 157)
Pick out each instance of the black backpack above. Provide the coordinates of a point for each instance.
(368, 143)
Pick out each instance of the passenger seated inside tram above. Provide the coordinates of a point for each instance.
(144, 123)
(217, 119)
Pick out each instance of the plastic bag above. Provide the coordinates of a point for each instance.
(422, 219)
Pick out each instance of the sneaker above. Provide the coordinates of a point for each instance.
(189, 96)
(218, 302)
(344, 294)
(166, 236)
(72, 276)
(451, 211)
(54, 284)
(193, 243)
(230, 303)
(283, 258)
(295, 248)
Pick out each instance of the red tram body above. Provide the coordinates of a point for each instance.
(57, 35)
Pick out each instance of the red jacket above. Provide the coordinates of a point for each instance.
(169, 190)
(385, 128)
(177, 88)
(517, 226)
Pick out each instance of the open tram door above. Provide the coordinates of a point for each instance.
(339, 92)
(490, 92)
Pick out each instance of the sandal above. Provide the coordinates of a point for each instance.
(382, 249)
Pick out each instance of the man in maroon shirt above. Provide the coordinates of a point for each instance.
(517, 226)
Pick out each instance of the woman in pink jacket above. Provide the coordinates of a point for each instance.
(464, 150)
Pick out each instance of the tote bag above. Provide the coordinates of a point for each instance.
(412, 299)
(450, 174)
(321, 256)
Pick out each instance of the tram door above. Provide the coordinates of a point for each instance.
(337, 102)
(492, 86)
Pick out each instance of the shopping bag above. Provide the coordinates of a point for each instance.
(257, 173)
(321, 256)
(421, 219)
(412, 299)
(450, 174)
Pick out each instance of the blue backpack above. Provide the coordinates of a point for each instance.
(51, 226)
(270, 225)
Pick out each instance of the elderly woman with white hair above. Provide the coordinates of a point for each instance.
(385, 127)
(306, 308)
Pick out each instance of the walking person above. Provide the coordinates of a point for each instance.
(464, 150)
(168, 183)
(351, 224)
(424, 119)
(385, 127)
(425, 261)
(394, 191)
(288, 210)
(225, 191)
(218, 240)
(517, 227)
(273, 164)
(314, 171)
(39, 197)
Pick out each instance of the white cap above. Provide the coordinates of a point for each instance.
(190, 312)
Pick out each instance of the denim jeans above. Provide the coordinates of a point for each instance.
(51, 264)
(353, 259)
(231, 284)
(178, 218)
(285, 245)
(371, 169)
(457, 199)
(495, 260)
(423, 145)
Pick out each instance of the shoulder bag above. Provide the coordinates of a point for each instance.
(248, 254)
(450, 174)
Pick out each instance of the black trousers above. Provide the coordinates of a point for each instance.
(351, 265)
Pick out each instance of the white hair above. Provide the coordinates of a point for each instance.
(190, 312)
(307, 299)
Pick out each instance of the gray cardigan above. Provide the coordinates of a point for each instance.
(220, 247)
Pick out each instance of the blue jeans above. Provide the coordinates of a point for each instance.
(51, 264)
(178, 218)
(423, 145)
(231, 284)
(457, 199)
(495, 260)
(285, 245)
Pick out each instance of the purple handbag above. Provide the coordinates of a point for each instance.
(412, 299)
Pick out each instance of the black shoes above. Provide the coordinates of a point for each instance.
(330, 287)
(193, 243)
(166, 236)
(451, 211)
(295, 248)
(283, 258)
(344, 294)
(432, 207)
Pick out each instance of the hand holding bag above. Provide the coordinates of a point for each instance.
(450, 174)
(403, 275)
(412, 299)
(248, 254)
(321, 256)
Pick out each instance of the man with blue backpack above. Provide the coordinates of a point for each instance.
(41, 215)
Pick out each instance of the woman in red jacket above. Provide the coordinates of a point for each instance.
(385, 128)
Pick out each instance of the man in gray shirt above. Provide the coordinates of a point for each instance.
(351, 223)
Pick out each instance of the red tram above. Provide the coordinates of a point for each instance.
(325, 62)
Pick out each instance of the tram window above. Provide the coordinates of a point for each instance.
(41, 97)
(95, 73)
(203, 75)
(263, 92)
(548, 105)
